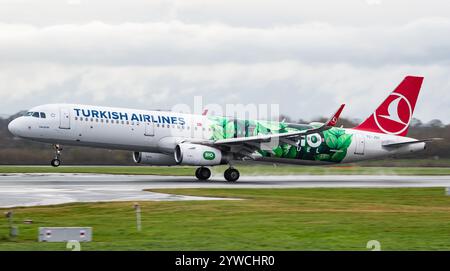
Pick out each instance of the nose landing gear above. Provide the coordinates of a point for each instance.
(56, 162)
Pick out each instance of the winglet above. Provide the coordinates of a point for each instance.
(334, 119)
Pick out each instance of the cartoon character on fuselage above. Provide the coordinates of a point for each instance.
(170, 138)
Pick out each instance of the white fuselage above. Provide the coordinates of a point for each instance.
(157, 131)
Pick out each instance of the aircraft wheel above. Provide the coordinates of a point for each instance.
(55, 162)
(231, 174)
(203, 173)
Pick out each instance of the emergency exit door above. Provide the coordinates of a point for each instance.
(64, 118)
(149, 129)
(360, 144)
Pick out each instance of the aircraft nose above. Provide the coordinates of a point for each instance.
(13, 127)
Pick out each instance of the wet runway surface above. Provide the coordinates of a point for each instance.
(47, 189)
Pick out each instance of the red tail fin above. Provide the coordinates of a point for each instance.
(395, 113)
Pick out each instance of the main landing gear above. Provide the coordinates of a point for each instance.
(204, 173)
(56, 162)
(231, 174)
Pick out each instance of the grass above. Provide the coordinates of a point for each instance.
(244, 169)
(268, 219)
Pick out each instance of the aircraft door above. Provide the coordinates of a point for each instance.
(149, 129)
(64, 118)
(360, 144)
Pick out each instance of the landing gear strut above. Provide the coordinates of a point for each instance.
(56, 161)
(203, 173)
(231, 174)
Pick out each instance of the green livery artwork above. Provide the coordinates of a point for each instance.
(328, 146)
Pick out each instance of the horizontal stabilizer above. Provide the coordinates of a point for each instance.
(394, 145)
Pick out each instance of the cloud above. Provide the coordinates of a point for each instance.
(301, 90)
(249, 13)
(306, 68)
(423, 41)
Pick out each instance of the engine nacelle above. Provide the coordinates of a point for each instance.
(198, 155)
(151, 158)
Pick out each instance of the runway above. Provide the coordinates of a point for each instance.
(48, 189)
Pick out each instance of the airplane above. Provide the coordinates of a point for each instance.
(168, 138)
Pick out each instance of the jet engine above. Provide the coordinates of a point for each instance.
(151, 158)
(198, 155)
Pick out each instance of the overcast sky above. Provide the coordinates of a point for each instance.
(306, 56)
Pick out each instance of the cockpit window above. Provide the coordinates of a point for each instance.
(41, 115)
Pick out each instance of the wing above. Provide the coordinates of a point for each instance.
(288, 135)
(247, 146)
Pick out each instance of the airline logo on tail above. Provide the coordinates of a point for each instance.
(395, 113)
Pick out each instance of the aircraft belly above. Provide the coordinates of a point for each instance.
(293, 161)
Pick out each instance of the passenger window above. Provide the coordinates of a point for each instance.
(36, 114)
(42, 115)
